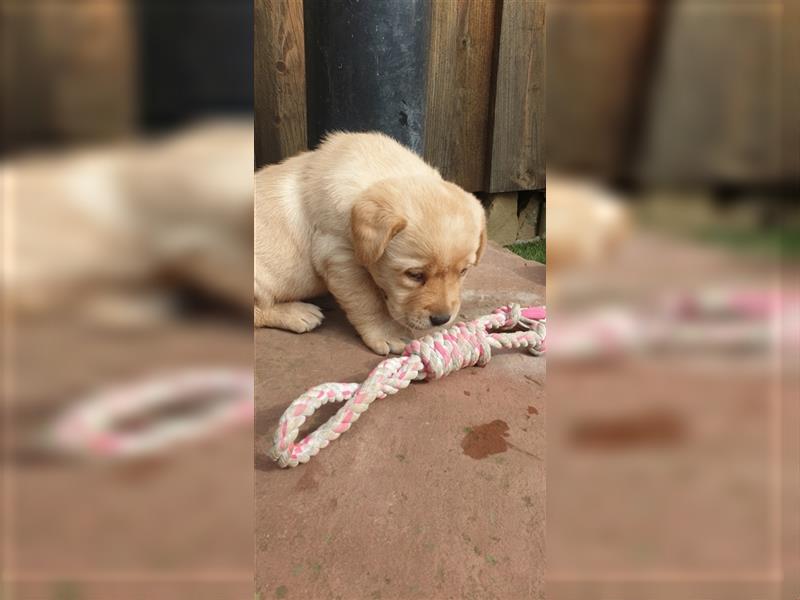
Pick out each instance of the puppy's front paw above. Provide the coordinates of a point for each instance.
(300, 317)
(385, 342)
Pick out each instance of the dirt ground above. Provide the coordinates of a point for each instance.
(437, 492)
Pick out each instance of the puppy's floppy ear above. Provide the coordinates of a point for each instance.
(374, 220)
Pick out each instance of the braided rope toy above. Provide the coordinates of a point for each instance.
(89, 428)
(431, 357)
(707, 319)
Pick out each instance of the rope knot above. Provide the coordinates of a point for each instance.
(444, 352)
(511, 316)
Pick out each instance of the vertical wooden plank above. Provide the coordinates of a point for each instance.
(517, 157)
(94, 93)
(716, 97)
(790, 38)
(279, 80)
(597, 56)
(459, 89)
(69, 71)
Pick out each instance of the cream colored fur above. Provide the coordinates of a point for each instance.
(103, 227)
(369, 221)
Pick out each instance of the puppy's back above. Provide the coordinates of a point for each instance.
(280, 219)
(345, 164)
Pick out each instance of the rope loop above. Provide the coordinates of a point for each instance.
(431, 357)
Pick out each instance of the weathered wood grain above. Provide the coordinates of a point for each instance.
(460, 89)
(597, 63)
(279, 80)
(68, 72)
(517, 155)
(791, 93)
(717, 96)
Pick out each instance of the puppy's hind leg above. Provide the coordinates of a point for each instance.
(299, 317)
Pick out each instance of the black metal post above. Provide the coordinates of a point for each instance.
(366, 63)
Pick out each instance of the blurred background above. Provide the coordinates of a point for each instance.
(126, 169)
(672, 156)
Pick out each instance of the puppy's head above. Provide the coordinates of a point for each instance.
(418, 237)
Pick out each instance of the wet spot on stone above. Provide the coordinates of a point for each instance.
(484, 440)
(532, 410)
(655, 428)
(528, 501)
(400, 457)
(466, 393)
(281, 591)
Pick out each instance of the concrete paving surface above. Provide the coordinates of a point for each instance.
(437, 492)
(169, 527)
(666, 474)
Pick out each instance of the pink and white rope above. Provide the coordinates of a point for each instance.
(431, 357)
(90, 428)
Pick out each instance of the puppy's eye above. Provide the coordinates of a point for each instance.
(417, 276)
(464, 271)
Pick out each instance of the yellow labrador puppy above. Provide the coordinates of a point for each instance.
(368, 220)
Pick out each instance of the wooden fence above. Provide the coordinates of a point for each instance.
(485, 90)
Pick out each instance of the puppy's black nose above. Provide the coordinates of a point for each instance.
(439, 319)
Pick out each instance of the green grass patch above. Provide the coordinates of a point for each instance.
(778, 243)
(535, 250)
